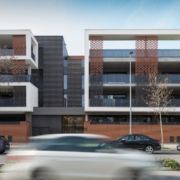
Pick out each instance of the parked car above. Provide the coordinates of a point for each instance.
(75, 156)
(178, 147)
(136, 141)
(4, 144)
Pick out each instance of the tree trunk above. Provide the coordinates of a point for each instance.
(162, 137)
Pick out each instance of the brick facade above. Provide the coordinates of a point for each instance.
(19, 45)
(19, 132)
(116, 130)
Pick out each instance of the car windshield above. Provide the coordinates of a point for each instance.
(122, 137)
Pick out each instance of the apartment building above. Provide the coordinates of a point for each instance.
(54, 92)
(110, 92)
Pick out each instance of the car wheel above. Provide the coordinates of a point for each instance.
(2, 152)
(149, 149)
(42, 175)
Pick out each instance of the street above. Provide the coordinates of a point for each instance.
(160, 175)
(170, 154)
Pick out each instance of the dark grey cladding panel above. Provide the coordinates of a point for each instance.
(52, 70)
(54, 123)
(58, 111)
(74, 80)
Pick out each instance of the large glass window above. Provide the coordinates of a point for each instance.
(65, 100)
(82, 100)
(65, 81)
(82, 63)
(65, 63)
(107, 119)
(82, 81)
(147, 119)
(73, 124)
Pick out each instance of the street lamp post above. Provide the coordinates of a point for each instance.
(130, 99)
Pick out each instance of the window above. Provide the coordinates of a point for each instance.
(65, 71)
(165, 119)
(82, 100)
(171, 139)
(131, 138)
(127, 138)
(147, 119)
(107, 119)
(178, 139)
(141, 137)
(65, 100)
(65, 63)
(65, 81)
(121, 96)
(82, 63)
(82, 81)
(123, 137)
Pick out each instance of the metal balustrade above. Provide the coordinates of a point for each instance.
(6, 52)
(124, 78)
(124, 53)
(125, 103)
(17, 78)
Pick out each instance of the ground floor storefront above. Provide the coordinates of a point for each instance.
(17, 128)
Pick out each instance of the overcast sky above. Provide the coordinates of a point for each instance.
(70, 17)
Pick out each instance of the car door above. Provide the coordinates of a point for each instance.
(126, 142)
(138, 142)
(141, 141)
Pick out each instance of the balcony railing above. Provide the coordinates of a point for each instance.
(21, 102)
(6, 52)
(124, 78)
(124, 103)
(124, 53)
(17, 78)
(117, 78)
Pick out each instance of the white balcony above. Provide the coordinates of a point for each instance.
(18, 97)
(30, 48)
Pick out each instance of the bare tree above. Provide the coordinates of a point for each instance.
(158, 97)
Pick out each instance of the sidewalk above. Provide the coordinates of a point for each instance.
(167, 146)
(170, 146)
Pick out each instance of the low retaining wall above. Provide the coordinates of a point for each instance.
(18, 132)
(117, 130)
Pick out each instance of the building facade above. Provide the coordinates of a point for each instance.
(49, 91)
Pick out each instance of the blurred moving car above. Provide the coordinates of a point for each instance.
(4, 144)
(136, 141)
(75, 156)
(178, 147)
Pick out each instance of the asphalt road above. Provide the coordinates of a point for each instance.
(160, 175)
(170, 154)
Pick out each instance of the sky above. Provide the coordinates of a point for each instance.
(71, 17)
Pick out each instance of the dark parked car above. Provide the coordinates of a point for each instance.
(4, 144)
(178, 147)
(135, 141)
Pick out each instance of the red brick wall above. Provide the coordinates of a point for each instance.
(19, 44)
(116, 130)
(19, 132)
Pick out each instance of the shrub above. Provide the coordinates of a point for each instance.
(167, 162)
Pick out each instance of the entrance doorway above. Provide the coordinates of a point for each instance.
(36, 131)
(73, 124)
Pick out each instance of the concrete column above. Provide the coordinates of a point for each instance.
(29, 69)
(86, 117)
(29, 119)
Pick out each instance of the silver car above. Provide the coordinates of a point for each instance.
(75, 157)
